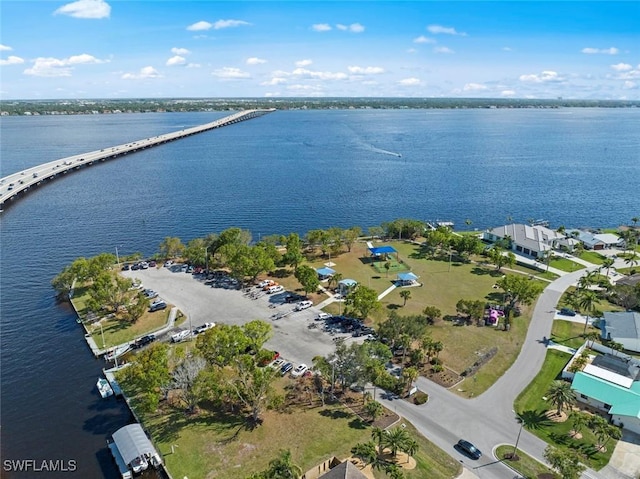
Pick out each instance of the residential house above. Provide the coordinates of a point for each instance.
(527, 240)
(623, 328)
(596, 241)
(611, 384)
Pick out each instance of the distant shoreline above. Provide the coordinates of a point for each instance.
(166, 105)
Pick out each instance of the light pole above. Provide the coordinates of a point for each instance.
(102, 333)
(117, 257)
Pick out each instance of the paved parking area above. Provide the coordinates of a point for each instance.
(202, 303)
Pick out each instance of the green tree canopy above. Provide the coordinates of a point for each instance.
(363, 301)
(308, 278)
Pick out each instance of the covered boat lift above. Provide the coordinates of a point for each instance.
(131, 448)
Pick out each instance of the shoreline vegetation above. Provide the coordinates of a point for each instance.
(157, 105)
(219, 405)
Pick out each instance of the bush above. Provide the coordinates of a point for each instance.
(420, 398)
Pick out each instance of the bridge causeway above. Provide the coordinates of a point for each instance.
(20, 183)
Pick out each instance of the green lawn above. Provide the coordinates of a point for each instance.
(536, 272)
(569, 333)
(565, 264)
(215, 444)
(592, 257)
(527, 466)
(120, 331)
(531, 403)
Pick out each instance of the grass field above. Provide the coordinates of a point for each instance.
(569, 333)
(532, 404)
(221, 445)
(592, 257)
(565, 264)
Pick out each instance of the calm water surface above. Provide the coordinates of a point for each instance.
(286, 171)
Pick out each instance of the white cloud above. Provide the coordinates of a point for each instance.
(274, 81)
(59, 67)
(545, 77)
(303, 72)
(255, 61)
(229, 24)
(508, 93)
(622, 67)
(410, 82)
(180, 51)
(423, 39)
(353, 28)
(605, 51)
(230, 73)
(11, 60)
(85, 9)
(438, 29)
(321, 27)
(507, 49)
(474, 87)
(143, 74)
(176, 60)
(303, 63)
(5, 48)
(446, 50)
(412, 50)
(629, 85)
(194, 65)
(200, 26)
(365, 70)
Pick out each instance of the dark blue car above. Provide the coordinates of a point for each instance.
(469, 449)
(286, 368)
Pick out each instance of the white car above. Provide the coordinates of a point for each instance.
(180, 336)
(264, 283)
(277, 364)
(299, 370)
(203, 328)
(303, 305)
(275, 289)
(323, 316)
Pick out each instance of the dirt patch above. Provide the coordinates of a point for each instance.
(553, 415)
(445, 378)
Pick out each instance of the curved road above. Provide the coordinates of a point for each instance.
(489, 420)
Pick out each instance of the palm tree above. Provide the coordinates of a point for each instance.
(612, 432)
(374, 409)
(592, 336)
(560, 395)
(616, 347)
(409, 374)
(283, 467)
(635, 220)
(587, 302)
(411, 447)
(406, 294)
(579, 421)
(632, 260)
(394, 471)
(336, 278)
(365, 451)
(437, 347)
(395, 439)
(608, 263)
(378, 435)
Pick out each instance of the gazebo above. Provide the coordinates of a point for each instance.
(325, 273)
(382, 251)
(408, 279)
(346, 285)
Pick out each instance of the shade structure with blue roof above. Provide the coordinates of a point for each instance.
(346, 285)
(380, 250)
(325, 272)
(407, 278)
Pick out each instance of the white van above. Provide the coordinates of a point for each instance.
(275, 289)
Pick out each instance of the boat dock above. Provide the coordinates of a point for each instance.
(19, 183)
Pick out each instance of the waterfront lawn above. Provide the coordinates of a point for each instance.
(443, 286)
(531, 403)
(527, 466)
(118, 331)
(219, 445)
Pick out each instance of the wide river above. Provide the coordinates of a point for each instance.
(286, 171)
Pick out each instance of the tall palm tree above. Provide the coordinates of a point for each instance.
(409, 375)
(579, 421)
(374, 409)
(411, 447)
(635, 220)
(378, 435)
(608, 263)
(365, 451)
(587, 302)
(560, 395)
(395, 439)
(405, 294)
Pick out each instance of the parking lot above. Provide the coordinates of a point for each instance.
(202, 303)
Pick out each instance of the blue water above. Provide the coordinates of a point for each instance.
(286, 171)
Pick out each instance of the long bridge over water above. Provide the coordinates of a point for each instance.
(19, 183)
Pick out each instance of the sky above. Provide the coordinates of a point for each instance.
(454, 49)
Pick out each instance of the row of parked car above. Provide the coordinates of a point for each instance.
(285, 367)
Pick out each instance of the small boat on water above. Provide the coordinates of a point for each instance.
(115, 353)
(104, 388)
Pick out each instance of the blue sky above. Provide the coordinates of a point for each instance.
(130, 49)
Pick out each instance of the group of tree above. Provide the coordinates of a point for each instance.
(282, 467)
(443, 242)
(106, 290)
(226, 369)
(394, 440)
